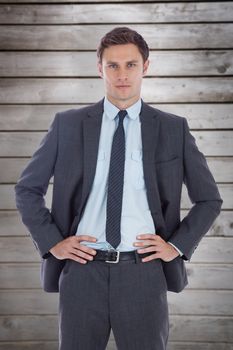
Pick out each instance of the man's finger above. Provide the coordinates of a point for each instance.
(84, 248)
(86, 238)
(81, 254)
(151, 257)
(76, 258)
(146, 250)
(145, 243)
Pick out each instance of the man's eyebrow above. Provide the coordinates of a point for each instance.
(112, 62)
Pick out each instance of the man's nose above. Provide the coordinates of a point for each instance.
(122, 74)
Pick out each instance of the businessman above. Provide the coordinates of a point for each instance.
(113, 243)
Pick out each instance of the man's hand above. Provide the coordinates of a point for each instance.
(162, 249)
(70, 248)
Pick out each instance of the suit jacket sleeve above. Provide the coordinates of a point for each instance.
(31, 188)
(203, 193)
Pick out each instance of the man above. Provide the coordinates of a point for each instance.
(113, 243)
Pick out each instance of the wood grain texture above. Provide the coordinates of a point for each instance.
(11, 168)
(159, 90)
(87, 37)
(11, 224)
(24, 144)
(38, 117)
(210, 250)
(53, 345)
(197, 328)
(48, 64)
(192, 302)
(83, 64)
(122, 13)
(7, 197)
(201, 276)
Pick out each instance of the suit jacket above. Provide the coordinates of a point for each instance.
(69, 153)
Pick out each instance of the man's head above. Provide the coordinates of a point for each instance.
(122, 63)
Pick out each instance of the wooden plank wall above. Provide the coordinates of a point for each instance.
(48, 64)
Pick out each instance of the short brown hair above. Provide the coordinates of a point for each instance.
(123, 35)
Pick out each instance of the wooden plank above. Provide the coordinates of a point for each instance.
(75, 1)
(38, 117)
(209, 276)
(45, 327)
(18, 328)
(201, 302)
(11, 168)
(31, 345)
(7, 197)
(138, 13)
(70, 64)
(28, 302)
(16, 276)
(200, 276)
(50, 345)
(201, 328)
(191, 302)
(158, 90)
(11, 224)
(74, 37)
(112, 346)
(210, 250)
(26, 275)
(193, 346)
(24, 144)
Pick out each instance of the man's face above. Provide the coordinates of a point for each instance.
(122, 70)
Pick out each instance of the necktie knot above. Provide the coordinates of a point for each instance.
(122, 113)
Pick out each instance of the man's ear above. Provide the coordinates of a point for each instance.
(100, 71)
(145, 67)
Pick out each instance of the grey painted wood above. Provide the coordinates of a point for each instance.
(11, 224)
(210, 250)
(199, 89)
(21, 144)
(83, 64)
(38, 117)
(192, 302)
(122, 13)
(11, 168)
(31, 345)
(197, 328)
(190, 74)
(53, 345)
(86, 37)
(7, 197)
(201, 276)
(84, 1)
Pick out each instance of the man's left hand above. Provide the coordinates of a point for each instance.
(154, 243)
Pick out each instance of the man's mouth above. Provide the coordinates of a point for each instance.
(123, 86)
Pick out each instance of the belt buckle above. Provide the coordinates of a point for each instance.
(117, 257)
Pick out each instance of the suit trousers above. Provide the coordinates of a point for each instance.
(129, 297)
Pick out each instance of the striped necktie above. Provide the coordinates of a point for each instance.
(115, 184)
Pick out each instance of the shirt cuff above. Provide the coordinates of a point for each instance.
(176, 248)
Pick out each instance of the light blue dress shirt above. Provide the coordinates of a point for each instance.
(136, 216)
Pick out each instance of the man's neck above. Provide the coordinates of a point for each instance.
(123, 104)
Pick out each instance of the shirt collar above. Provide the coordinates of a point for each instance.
(111, 110)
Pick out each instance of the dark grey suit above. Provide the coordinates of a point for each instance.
(69, 152)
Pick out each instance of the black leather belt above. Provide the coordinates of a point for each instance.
(114, 256)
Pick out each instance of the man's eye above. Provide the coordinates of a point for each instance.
(132, 64)
(112, 65)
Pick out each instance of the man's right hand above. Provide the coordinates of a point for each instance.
(70, 248)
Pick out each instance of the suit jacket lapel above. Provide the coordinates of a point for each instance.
(150, 124)
(91, 136)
